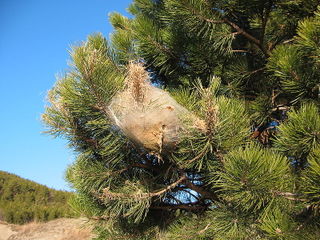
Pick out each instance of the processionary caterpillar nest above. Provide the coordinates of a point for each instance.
(148, 115)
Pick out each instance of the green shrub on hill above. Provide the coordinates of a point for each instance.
(22, 201)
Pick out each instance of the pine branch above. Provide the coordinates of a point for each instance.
(240, 51)
(101, 105)
(135, 165)
(178, 201)
(265, 18)
(189, 207)
(281, 40)
(239, 30)
(251, 38)
(203, 192)
(203, 230)
(190, 193)
(198, 14)
(110, 195)
(257, 70)
(289, 196)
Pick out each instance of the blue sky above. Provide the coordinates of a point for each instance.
(35, 36)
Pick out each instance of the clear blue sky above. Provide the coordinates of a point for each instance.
(35, 36)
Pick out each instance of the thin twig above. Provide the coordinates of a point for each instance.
(289, 196)
(111, 195)
(189, 207)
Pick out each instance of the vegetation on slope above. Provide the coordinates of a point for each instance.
(23, 201)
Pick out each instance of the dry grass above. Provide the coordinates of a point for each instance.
(77, 234)
(27, 228)
(59, 229)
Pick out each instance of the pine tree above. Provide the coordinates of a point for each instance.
(249, 71)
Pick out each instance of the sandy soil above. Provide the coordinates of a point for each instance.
(5, 231)
(60, 229)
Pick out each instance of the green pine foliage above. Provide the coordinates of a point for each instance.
(311, 177)
(299, 135)
(239, 182)
(23, 201)
(248, 168)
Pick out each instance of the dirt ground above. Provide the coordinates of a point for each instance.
(59, 229)
(5, 231)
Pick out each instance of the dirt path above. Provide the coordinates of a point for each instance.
(59, 229)
(5, 231)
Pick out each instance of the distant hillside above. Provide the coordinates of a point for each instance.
(23, 201)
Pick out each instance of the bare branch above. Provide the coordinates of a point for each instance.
(189, 207)
(251, 38)
(240, 51)
(204, 193)
(289, 196)
(110, 195)
(203, 230)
